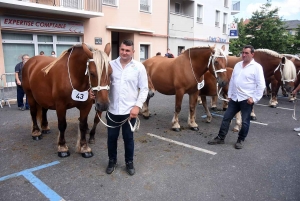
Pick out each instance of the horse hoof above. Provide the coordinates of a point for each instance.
(194, 128)
(214, 108)
(46, 131)
(91, 141)
(36, 138)
(64, 154)
(176, 129)
(285, 95)
(253, 118)
(273, 106)
(87, 154)
(146, 117)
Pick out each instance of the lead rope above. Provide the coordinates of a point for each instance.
(133, 128)
(294, 112)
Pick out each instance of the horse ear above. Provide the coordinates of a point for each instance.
(223, 47)
(107, 49)
(87, 51)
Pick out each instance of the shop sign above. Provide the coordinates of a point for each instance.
(216, 39)
(41, 25)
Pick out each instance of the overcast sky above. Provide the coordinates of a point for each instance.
(288, 9)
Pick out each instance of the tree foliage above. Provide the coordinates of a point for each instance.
(265, 30)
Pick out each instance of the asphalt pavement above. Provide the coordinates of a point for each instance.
(169, 165)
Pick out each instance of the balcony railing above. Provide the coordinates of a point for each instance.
(181, 13)
(87, 5)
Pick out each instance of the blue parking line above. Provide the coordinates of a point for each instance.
(39, 184)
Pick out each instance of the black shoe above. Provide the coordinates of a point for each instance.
(238, 144)
(112, 164)
(216, 140)
(129, 168)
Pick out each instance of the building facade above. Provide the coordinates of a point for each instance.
(32, 26)
(200, 23)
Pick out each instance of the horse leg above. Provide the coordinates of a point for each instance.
(44, 125)
(275, 87)
(199, 100)
(213, 102)
(292, 97)
(93, 131)
(62, 149)
(284, 92)
(82, 146)
(238, 121)
(208, 114)
(178, 101)
(192, 115)
(145, 109)
(35, 111)
(253, 115)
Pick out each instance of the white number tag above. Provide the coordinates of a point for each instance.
(200, 85)
(80, 96)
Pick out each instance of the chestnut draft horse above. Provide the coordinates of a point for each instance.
(63, 83)
(296, 61)
(182, 75)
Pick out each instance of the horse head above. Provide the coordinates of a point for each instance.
(99, 74)
(288, 73)
(217, 66)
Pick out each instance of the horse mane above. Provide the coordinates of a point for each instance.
(269, 52)
(291, 55)
(101, 62)
(216, 51)
(289, 70)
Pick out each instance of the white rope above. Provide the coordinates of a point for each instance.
(133, 128)
(294, 111)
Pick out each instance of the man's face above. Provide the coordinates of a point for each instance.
(25, 59)
(126, 52)
(247, 55)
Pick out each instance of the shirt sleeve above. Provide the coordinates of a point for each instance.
(231, 83)
(17, 68)
(143, 86)
(260, 83)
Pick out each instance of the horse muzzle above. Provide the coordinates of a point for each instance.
(221, 82)
(101, 107)
(150, 94)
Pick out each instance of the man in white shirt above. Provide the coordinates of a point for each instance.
(246, 87)
(128, 92)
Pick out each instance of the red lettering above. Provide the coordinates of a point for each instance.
(5, 21)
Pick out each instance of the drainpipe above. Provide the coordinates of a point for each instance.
(168, 27)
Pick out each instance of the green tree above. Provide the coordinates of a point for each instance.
(296, 44)
(267, 30)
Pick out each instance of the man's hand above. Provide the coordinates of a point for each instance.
(250, 101)
(92, 95)
(294, 92)
(134, 112)
(18, 82)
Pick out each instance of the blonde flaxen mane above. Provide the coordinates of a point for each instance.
(270, 52)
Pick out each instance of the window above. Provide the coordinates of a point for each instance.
(226, 3)
(177, 7)
(180, 48)
(145, 5)
(17, 44)
(217, 22)
(110, 2)
(144, 52)
(224, 23)
(199, 13)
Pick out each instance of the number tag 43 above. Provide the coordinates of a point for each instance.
(79, 96)
(200, 85)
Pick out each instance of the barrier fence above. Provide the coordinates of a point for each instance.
(8, 89)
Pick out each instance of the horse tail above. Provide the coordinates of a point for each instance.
(39, 114)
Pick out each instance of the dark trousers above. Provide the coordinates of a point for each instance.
(233, 108)
(20, 96)
(113, 134)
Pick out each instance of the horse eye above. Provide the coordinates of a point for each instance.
(93, 75)
(216, 62)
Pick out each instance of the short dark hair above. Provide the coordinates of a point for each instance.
(128, 42)
(250, 47)
(158, 53)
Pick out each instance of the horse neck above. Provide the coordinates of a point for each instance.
(268, 62)
(200, 59)
(77, 65)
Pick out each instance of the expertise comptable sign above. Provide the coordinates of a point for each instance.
(41, 25)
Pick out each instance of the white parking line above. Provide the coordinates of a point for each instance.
(284, 108)
(182, 144)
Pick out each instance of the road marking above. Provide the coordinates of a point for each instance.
(36, 182)
(284, 108)
(183, 144)
(218, 115)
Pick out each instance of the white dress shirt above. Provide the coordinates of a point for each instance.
(128, 88)
(247, 82)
